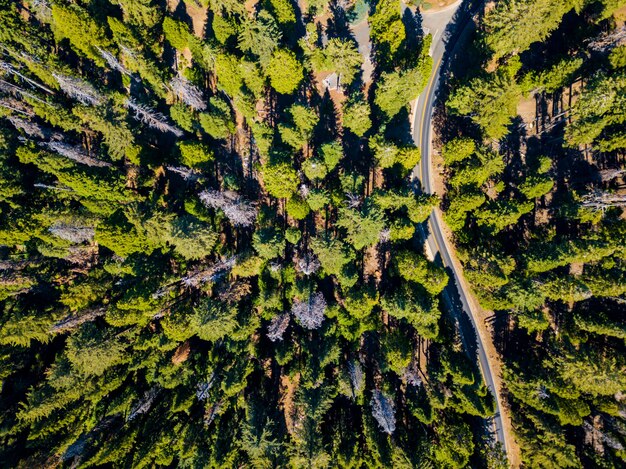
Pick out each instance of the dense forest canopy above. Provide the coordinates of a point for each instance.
(212, 240)
(209, 258)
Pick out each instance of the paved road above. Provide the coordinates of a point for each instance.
(436, 24)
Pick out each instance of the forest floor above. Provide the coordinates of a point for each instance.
(436, 5)
(361, 32)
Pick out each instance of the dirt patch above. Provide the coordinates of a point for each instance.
(198, 17)
(337, 96)
(288, 389)
(438, 171)
(526, 109)
(371, 264)
(250, 6)
(620, 16)
(181, 354)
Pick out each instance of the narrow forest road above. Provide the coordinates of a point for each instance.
(435, 24)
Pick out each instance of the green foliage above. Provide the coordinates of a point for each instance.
(386, 26)
(280, 180)
(396, 89)
(513, 26)
(75, 24)
(363, 226)
(416, 306)
(536, 186)
(477, 170)
(155, 286)
(490, 101)
(597, 111)
(332, 254)
(268, 242)
(283, 11)
(617, 57)
(194, 154)
(304, 121)
(217, 122)
(297, 208)
(92, 351)
(458, 149)
(340, 56)
(284, 71)
(416, 268)
(498, 215)
(356, 117)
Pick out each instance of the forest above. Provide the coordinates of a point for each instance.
(533, 148)
(212, 247)
(209, 258)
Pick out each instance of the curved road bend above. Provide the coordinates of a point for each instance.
(435, 24)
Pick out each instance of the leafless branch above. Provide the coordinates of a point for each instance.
(383, 411)
(75, 153)
(238, 210)
(73, 321)
(78, 89)
(188, 93)
(278, 326)
(144, 404)
(310, 313)
(151, 118)
(72, 233)
(113, 62)
(188, 174)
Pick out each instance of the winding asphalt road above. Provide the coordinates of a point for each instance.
(435, 24)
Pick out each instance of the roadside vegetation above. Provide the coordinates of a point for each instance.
(533, 148)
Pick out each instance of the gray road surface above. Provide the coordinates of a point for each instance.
(436, 24)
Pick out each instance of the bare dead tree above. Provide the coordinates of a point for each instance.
(78, 89)
(278, 326)
(383, 411)
(355, 372)
(188, 174)
(72, 321)
(610, 40)
(384, 235)
(310, 313)
(75, 153)
(234, 292)
(202, 389)
(198, 277)
(72, 233)
(18, 92)
(308, 264)
(152, 118)
(353, 200)
(53, 188)
(600, 200)
(11, 70)
(411, 376)
(144, 404)
(113, 62)
(16, 106)
(239, 211)
(212, 412)
(610, 174)
(188, 93)
(30, 128)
